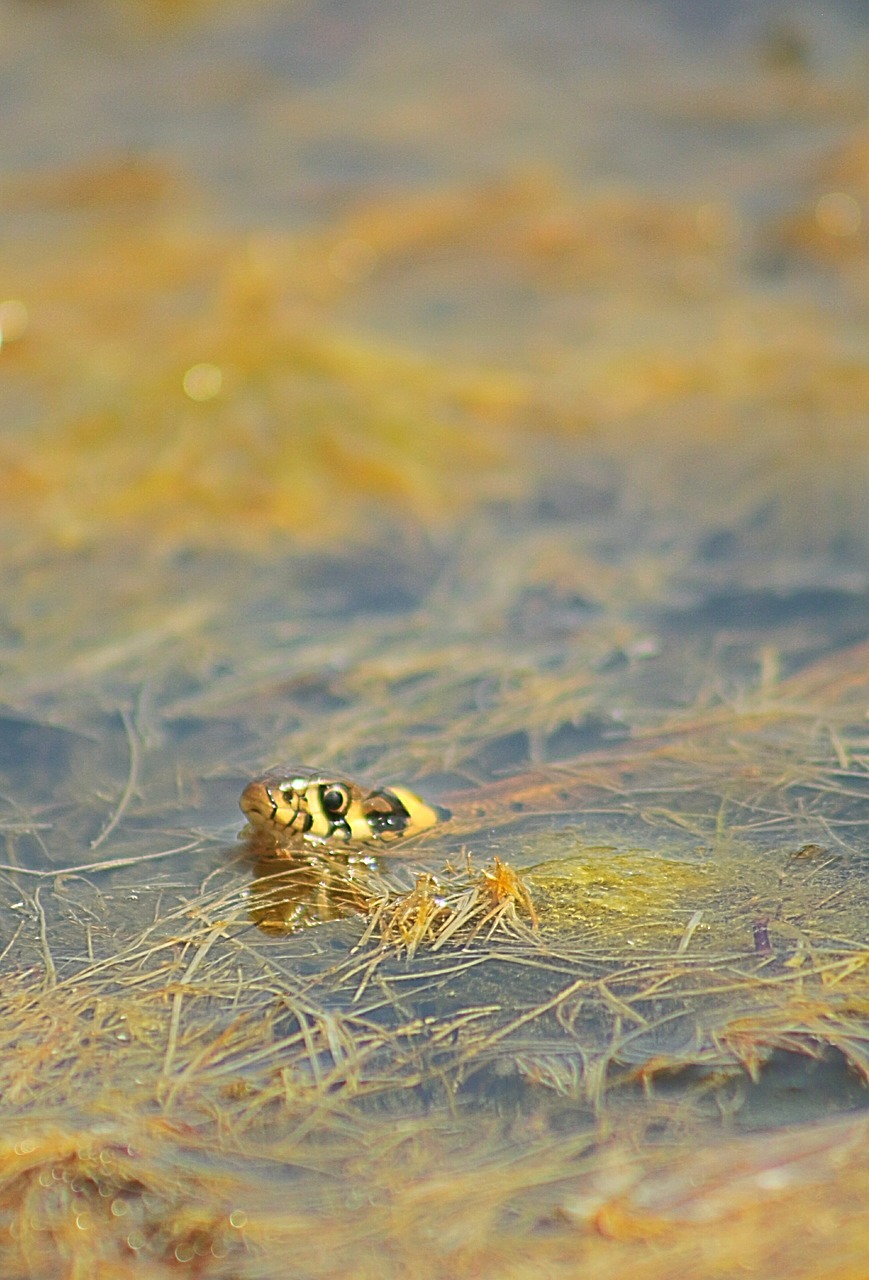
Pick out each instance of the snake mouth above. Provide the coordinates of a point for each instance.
(269, 807)
(257, 805)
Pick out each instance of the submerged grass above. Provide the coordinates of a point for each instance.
(445, 1070)
(459, 1088)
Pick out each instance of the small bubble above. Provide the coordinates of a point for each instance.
(14, 319)
(184, 1252)
(83, 1221)
(203, 381)
(238, 1219)
(119, 1207)
(352, 260)
(135, 1241)
(838, 214)
(773, 1179)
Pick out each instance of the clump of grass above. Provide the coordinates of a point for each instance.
(436, 912)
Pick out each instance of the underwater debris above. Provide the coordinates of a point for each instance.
(418, 918)
(437, 912)
(508, 892)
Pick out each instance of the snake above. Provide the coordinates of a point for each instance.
(299, 809)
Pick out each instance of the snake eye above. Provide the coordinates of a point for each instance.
(336, 800)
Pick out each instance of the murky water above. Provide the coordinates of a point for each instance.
(472, 398)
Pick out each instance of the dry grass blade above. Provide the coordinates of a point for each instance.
(434, 914)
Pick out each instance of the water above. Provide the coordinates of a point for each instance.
(474, 399)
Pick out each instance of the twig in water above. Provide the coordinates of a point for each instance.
(132, 780)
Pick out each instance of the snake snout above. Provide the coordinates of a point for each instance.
(256, 804)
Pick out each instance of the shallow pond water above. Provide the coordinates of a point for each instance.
(475, 399)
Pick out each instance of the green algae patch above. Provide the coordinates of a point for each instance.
(622, 897)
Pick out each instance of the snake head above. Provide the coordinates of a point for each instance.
(305, 809)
